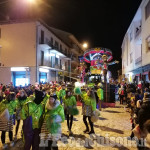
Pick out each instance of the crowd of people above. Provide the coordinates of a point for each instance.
(137, 101)
(43, 107)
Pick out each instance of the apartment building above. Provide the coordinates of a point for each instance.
(31, 51)
(136, 46)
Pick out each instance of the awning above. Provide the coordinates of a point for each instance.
(145, 73)
(138, 75)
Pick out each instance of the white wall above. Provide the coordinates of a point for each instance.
(145, 34)
(18, 42)
(5, 75)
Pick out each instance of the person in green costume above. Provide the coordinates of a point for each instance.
(88, 108)
(7, 126)
(70, 105)
(100, 94)
(31, 114)
(51, 128)
(62, 93)
(21, 100)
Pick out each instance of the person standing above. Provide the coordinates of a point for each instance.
(7, 126)
(88, 108)
(62, 93)
(21, 99)
(31, 114)
(100, 94)
(121, 94)
(52, 119)
(70, 104)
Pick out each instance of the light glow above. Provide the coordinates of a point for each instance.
(19, 68)
(79, 84)
(57, 56)
(43, 70)
(22, 81)
(85, 45)
(31, 1)
(51, 54)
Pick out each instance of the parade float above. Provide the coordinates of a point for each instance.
(98, 60)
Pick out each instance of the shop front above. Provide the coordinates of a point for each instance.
(43, 73)
(20, 76)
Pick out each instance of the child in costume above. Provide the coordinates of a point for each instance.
(7, 126)
(53, 117)
(70, 105)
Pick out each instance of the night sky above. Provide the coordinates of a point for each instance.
(102, 23)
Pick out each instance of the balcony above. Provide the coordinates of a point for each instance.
(45, 44)
(75, 51)
(59, 67)
(138, 60)
(60, 52)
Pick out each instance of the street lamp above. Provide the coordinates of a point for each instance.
(85, 45)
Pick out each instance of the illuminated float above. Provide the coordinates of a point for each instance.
(99, 59)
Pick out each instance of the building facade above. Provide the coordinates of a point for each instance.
(31, 51)
(136, 46)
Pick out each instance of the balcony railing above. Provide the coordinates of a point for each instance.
(60, 50)
(138, 60)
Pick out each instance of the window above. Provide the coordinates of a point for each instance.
(42, 77)
(148, 44)
(56, 45)
(60, 64)
(131, 58)
(65, 65)
(42, 58)
(60, 47)
(46, 40)
(147, 10)
(53, 61)
(42, 37)
(69, 67)
(51, 40)
(56, 61)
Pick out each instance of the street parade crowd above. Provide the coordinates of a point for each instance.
(43, 107)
